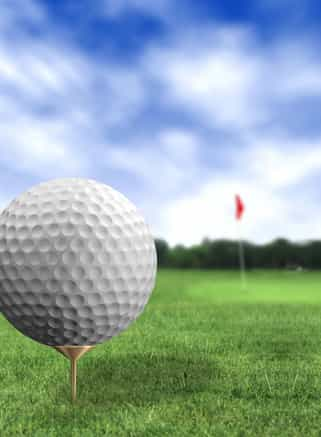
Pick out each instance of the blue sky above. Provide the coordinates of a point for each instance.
(179, 105)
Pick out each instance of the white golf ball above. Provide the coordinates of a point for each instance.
(77, 262)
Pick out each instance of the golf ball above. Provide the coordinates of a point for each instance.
(77, 262)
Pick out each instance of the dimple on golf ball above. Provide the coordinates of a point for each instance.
(77, 262)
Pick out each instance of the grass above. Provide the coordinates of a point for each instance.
(204, 359)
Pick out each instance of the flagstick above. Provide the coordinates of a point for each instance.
(242, 260)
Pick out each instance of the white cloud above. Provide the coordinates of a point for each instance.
(40, 148)
(233, 84)
(165, 163)
(60, 106)
(114, 8)
(217, 79)
(31, 141)
(57, 103)
(294, 69)
(224, 79)
(16, 12)
(210, 212)
(270, 179)
(283, 162)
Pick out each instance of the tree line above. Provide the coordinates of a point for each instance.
(224, 254)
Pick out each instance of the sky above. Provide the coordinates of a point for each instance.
(178, 105)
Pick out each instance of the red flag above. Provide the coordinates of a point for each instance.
(239, 207)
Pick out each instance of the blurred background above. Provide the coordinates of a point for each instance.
(179, 105)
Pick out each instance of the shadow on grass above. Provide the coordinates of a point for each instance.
(137, 379)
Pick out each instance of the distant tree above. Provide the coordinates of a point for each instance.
(312, 255)
(180, 257)
(223, 254)
(162, 249)
(281, 254)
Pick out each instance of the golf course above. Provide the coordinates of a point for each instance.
(204, 359)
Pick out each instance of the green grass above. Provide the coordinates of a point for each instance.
(204, 359)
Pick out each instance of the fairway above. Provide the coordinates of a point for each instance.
(204, 359)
